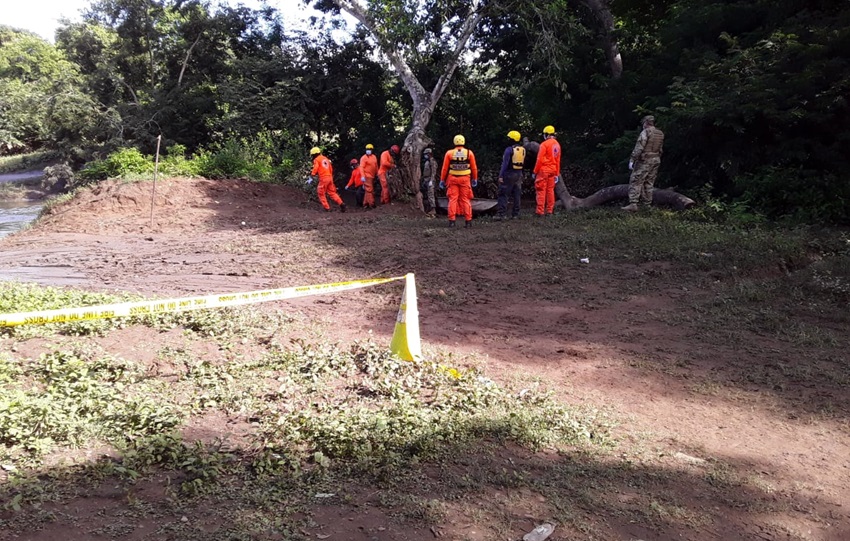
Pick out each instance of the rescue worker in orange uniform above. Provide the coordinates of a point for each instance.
(388, 161)
(356, 182)
(324, 170)
(458, 176)
(369, 170)
(547, 172)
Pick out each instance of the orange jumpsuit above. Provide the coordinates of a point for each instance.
(459, 169)
(356, 179)
(322, 167)
(369, 166)
(356, 182)
(548, 167)
(387, 163)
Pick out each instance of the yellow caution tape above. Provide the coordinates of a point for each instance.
(142, 308)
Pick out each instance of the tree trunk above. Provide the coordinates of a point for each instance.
(602, 11)
(411, 154)
(186, 60)
(664, 198)
(667, 198)
(424, 102)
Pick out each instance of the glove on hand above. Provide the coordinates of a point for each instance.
(475, 183)
(363, 180)
(310, 180)
(442, 184)
(533, 176)
(631, 164)
(558, 179)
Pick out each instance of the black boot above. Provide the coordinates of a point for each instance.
(342, 207)
(451, 223)
(468, 224)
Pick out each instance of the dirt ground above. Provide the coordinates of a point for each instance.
(715, 439)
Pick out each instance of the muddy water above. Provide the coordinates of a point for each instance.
(15, 215)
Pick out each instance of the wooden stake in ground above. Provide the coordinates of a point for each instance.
(155, 173)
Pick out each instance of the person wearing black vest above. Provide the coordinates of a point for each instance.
(510, 176)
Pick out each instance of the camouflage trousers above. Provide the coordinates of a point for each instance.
(642, 181)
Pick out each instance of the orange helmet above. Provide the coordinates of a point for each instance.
(394, 149)
(353, 162)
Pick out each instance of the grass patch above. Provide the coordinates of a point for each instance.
(27, 162)
(665, 245)
(223, 324)
(70, 399)
(315, 410)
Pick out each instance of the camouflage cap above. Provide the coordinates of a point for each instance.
(647, 118)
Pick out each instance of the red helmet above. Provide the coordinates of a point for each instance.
(394, 149)
(353, 161)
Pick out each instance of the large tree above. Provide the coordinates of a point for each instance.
(42, 102)
(426, 40)
(415, 34)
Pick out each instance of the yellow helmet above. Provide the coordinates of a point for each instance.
(549, 130)
(315, 150)
(370, 146)
(514, 135)
(460, 140)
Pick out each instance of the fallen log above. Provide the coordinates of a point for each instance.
(480, 207)
(664, 198)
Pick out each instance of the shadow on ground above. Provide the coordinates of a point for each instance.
(486, 490)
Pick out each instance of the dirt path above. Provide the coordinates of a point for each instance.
(762, 458)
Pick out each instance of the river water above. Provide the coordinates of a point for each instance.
(15, 215)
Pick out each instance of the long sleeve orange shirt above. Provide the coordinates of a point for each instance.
(355, 180)
(369, 165)
(549, 158)
(387, 162)
(323, 168)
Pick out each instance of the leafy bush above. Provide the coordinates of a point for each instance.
(120, 163)
(175, 163)
(235, 159)
(257, 158)
(801, 194)
(267, 157)
(58, 177)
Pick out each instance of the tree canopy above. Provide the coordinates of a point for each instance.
(751, 94)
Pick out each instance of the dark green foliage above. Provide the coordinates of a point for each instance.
(751, 94)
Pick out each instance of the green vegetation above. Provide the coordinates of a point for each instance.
(751, 95)
(355, 411)
(24, 162)
(255, 159)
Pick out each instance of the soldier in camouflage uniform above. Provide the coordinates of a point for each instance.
(646, 158)
(426, 186)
